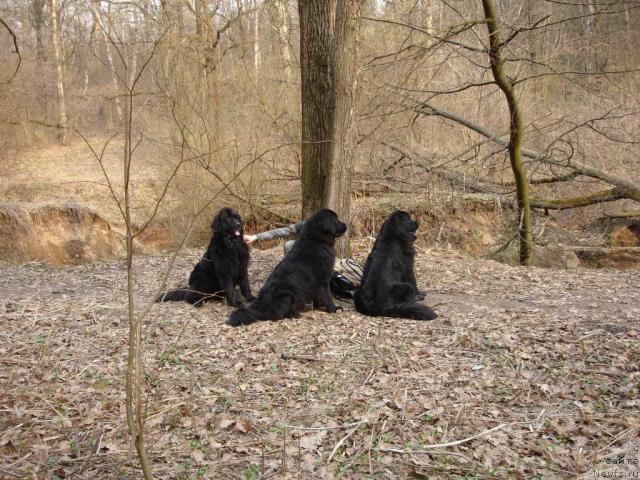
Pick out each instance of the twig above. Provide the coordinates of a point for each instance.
(584, 337)
(16, 49)
(17, 462)
(319, 429)
(344, 439)
(428, 448)
(17, 361)
(502, 247)
(301, 358)
(601, 372)
(10, 473)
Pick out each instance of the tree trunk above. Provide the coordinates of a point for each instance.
(282, 25)
(317, 100)
(97, 16)
(57, 48)
(256, 42)
(343, 139)
(135, 367)
(328, 60)
(515, 132)
(37, 17)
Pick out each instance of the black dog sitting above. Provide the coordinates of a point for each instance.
(302, 277)
(388, 286)
(223, 266)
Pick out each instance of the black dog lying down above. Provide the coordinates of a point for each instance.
(388, 286)
(302, 276)
(223, 266)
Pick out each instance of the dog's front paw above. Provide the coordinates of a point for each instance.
(235, 302)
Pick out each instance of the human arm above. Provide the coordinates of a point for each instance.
(275, 234)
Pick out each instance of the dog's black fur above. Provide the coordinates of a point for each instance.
(302, 277)
(389, 286)
(223, 266)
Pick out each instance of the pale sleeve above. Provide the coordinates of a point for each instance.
(278, 233)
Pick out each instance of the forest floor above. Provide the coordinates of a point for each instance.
(528, 373)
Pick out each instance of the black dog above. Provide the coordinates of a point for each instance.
(223, 266)
(388, 286)
(302, 277)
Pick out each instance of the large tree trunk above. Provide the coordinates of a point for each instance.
(317, 100)
(54, 6)
(515, 132)
(328, 63)
(343, 139)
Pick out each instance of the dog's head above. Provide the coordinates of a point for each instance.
(400, 224)
(227, 222)
(324, 224)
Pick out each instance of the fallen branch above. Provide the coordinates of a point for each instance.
(429, 448)
(344, 439)
(630, 214)
(628, 188)
(16, 50)
(300, 358)
(601, 196)
(320, 429)
(468, 182)
(483, 186)
(604, 250)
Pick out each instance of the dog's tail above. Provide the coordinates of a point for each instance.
(244, 316)
(176, 295)
(415, 311)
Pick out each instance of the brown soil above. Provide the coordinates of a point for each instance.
(43, 176)
(58, 234)
(548, 359)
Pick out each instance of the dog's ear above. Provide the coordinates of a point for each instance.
(216, 223)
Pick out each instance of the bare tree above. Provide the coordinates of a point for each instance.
(37, 17)
(282, 28)
(108, 45)
(54, 7)
(516, 127)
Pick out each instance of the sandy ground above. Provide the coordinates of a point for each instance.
(541, 365)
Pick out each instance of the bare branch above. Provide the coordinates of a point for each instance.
(16, 50)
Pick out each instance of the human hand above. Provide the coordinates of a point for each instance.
(250, 239)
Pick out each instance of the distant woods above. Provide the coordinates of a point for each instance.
(282, 102)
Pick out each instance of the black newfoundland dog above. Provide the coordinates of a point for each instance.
(302, 277)
(388, 286)
(223, 266)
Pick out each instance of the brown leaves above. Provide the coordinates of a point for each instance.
(529, 350)
(311, 441)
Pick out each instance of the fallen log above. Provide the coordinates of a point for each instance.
(630, 214)
(595, 249)
(628, 188)
(483, 186)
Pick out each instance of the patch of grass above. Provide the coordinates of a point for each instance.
(187, 470)
(252, 472)
(169, 357)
